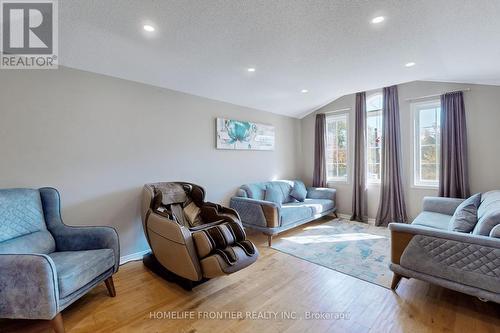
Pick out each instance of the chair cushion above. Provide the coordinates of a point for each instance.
(40, 242)
(465, 217)
(255, 190)
(488, 213)
(433, 220)
(299, 191)
(294, 212)
(21, 213)
(77, 268)
(274, 195)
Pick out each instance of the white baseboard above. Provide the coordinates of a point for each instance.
(133, 256)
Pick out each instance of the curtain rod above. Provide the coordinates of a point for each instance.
(436, 95)
(339, 110)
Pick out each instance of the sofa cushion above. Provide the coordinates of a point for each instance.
(488, 213)
(21, 213)
(299, 191)
(433, 220)
(317, 206)
(258, 190)
(490, 201)
(77, 268)
(274, 195)
(465, 217)
(285, 187)
(255, 190)
(487, 223)
(294, 212)
(495, 232)
(40, 242)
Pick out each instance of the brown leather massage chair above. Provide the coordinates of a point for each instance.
(192, 240)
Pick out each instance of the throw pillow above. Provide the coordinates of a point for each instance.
(273, 195)
(299, 191)
(465, 217)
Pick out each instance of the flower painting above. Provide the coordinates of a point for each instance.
(244, 135)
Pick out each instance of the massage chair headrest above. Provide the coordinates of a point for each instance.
(177, 193)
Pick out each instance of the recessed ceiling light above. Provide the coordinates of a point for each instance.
(251, 69)
(149, 28)
(410, 64)
(304, 91)
(378, 19)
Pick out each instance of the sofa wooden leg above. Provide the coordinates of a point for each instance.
(57, 324)
(111, 286)
(269, 240)
(396, 278)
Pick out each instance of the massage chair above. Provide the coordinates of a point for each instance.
(192, 240)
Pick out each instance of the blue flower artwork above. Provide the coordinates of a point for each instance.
(244, 135)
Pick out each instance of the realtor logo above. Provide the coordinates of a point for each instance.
(29, 34)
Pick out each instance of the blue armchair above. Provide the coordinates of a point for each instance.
(46, 265)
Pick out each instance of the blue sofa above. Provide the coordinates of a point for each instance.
(46, 265)
(272, 218)
(427, 249)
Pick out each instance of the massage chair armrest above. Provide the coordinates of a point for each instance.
(166, 228)
(402, 234)
(212, 212)
(206, 225)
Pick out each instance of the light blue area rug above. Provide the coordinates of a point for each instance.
(357, 249)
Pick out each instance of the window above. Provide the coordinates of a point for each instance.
(374, 137)
(427, 143)
(336, 147)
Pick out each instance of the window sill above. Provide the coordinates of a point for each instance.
(337, 182)
(425, 187)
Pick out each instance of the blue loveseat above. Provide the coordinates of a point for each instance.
(46, 265)
(272, 218)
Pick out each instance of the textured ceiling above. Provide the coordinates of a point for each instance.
(328, 47)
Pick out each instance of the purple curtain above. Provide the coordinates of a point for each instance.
(392, 206)
(454, 178)
(359, 202)
(319, 175)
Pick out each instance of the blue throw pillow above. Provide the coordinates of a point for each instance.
(465, 217)
(299, 191)
(273, 195)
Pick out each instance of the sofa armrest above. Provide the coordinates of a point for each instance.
(256, 212)
(441, 205)
(321, 193)
(70, 238)
(402, 234)
(28, 287)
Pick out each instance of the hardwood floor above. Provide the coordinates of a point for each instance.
(277, 282)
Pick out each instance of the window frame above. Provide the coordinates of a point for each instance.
(416, 107)
(330, 117)
(378, 112)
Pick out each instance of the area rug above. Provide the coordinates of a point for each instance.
(357, 249)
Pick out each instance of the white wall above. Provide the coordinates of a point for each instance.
(99, 139)
(482, 105)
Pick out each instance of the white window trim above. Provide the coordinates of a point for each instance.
(415, 107)
(348, 143)
(369, 181)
